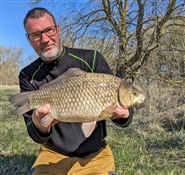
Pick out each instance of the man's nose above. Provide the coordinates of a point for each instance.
(44, 38)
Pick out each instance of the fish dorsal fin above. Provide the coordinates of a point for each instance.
(72, 72)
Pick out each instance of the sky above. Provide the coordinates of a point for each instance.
(12, 13)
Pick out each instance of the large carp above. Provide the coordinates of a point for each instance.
(78, 96)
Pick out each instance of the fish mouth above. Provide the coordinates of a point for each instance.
(142, 98)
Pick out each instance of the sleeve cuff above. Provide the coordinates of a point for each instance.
(36, 135)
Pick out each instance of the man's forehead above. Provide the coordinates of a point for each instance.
(36, 24)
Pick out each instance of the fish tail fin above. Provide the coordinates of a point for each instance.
(21, 102)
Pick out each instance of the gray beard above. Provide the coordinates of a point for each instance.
(50, 56)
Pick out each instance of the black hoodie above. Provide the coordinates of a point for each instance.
(66, 138)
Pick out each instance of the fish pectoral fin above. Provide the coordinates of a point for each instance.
(88, 128)
(46, 121)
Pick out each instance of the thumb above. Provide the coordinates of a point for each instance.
(42, 111)
(46, 108)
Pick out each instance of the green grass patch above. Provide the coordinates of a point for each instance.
(147, 150)
(143, 148)
(17, 150)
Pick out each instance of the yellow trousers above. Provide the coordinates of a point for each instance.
(50, 162)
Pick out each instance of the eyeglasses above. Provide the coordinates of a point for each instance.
(36, 36)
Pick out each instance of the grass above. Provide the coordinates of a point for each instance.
(148, 152)
(17, 150)
(143, 148)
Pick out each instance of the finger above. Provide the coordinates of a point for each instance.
(121, 111)
(126, 115)
(123, 114)
(42, 111)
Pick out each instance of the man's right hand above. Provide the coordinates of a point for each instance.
(40, 113)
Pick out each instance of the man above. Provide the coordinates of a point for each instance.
(64, 148)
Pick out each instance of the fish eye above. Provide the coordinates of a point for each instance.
(134, 92)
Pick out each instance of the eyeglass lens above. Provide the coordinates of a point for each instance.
(37, 35)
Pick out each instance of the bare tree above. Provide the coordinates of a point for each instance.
(10, 60)
(137, 27)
